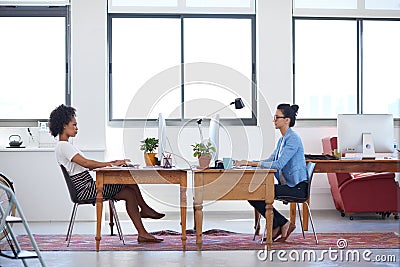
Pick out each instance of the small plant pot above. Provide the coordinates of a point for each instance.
(150, 159)
(204, 162)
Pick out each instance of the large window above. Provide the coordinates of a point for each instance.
(346, 56)
(381, 57)
(324, 51)
(346, 66)
(181, 65)
(33, 65)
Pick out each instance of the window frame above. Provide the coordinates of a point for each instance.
(359, 58)
(117, 122)
(42, 11)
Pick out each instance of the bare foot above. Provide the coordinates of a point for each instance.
(286, 229)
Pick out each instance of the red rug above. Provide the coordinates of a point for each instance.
(212, 240)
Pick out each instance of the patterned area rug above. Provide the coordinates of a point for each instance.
(212, 240)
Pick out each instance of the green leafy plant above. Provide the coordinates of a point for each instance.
(203, 149)
(149, 145)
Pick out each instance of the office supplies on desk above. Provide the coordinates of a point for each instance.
(245, 168)
(219, 165)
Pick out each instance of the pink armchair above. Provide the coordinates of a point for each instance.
(362, 192)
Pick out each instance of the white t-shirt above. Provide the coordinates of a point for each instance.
(65, 151)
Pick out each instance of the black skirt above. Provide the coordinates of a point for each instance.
(86, 187)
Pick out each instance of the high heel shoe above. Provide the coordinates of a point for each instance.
(289, 231)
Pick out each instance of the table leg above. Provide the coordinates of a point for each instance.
(99, 207)
(269, 223)
(111, 219)
(183, 203)
(269, 215)
(198, 209)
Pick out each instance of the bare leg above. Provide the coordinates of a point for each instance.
(146, 210)
(142, 204)
(131, 204)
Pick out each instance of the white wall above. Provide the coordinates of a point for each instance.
(89, 70)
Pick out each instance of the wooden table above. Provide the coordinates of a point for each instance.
(125, 175)
(350, 165)
(346, 166)
(234, 184)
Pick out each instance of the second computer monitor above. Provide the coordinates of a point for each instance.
(365, 133)
(161, 137)
(214, 135)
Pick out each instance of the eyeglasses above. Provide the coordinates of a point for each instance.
(278, 117)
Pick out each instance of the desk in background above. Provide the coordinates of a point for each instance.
(346, 166)
(350, 165)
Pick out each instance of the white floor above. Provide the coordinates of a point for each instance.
(326, 221)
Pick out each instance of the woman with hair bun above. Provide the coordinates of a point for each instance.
(288, 159)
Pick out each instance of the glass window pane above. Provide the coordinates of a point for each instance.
(34, 2)
(225, 44)
(326, 4)
(144, 3)
(219, 3)
(382, 4)
(141, 49)
(381, 80)
(325, 67)
(32, 66)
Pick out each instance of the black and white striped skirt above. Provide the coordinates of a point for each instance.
(86, 187)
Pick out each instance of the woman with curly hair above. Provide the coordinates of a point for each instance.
(62, 123)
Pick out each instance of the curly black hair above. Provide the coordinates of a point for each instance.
(59, 117)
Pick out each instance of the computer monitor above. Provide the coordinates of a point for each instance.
(365, 133)
(161, 138)
(214, 135)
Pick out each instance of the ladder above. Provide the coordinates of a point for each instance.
(8, 202)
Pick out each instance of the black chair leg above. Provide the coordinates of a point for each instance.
(257, 226)
(301, 220)
(71, 223)
(115, 215)
(312, 224)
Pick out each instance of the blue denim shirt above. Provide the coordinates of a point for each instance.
(291, 162)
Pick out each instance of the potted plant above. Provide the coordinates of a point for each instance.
(203, 152)
(149, 146)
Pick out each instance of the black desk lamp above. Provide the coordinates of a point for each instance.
(238, 105)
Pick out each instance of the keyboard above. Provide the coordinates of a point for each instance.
(320, 156)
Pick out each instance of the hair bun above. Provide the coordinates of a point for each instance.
(295, 108)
